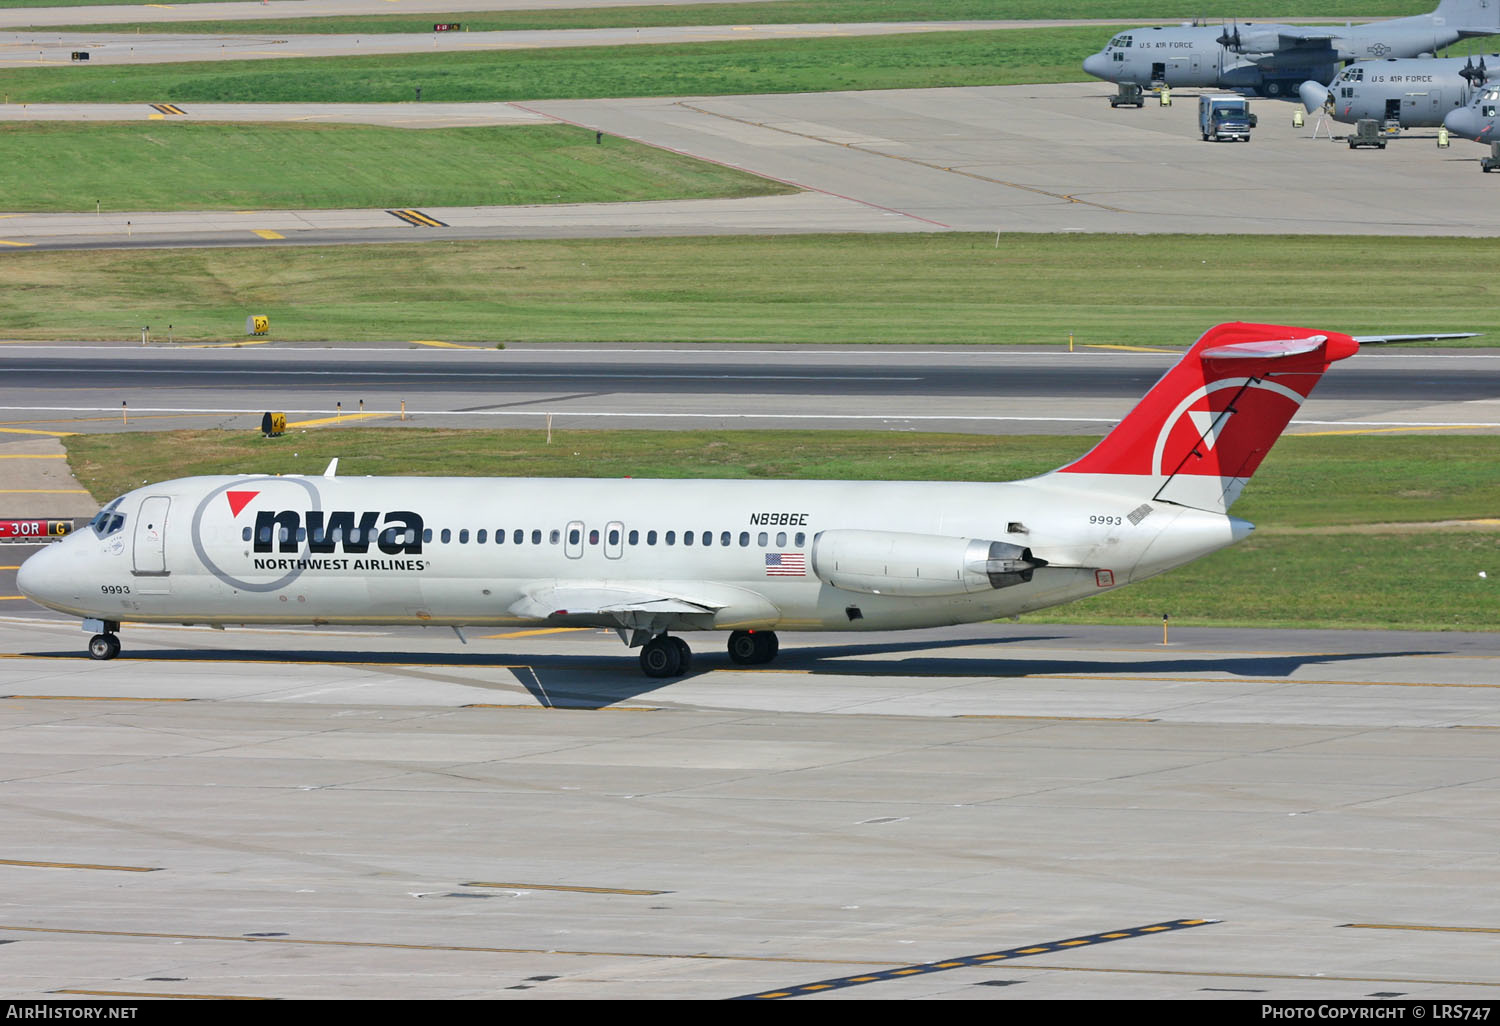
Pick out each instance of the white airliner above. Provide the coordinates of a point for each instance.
(647, 557)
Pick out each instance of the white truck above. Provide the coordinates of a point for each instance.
(1224, 116)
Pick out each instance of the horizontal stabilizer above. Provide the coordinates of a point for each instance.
(1271, 349)
(1366, 340)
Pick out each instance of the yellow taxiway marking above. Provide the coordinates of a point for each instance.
(1079, 719)
(339, 419)
(1388, 430)
(554, 707)
(1131, 349)
(152, 994)
(266, 233)
(1434, 929)
(535, 633)
(443, 345)
(13, 598)
(34, 431)
(8, 242)
(225, 345)
(694, 956)
(1254, 680)
(79, 865)
(563, 887)
(89, 698)
(155, 117)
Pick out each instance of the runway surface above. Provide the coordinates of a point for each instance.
(376, 814)
(1006, 158)
(43, 47)
(993, 390)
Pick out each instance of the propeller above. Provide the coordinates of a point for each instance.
(1231, 41)
(1476, 75)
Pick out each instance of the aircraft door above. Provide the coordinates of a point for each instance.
(150, 536)
(1159, 71)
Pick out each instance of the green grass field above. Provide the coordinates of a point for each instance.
(59, 166)
(865, 289)
(772, 66)
(785, 12)
(1333, 545)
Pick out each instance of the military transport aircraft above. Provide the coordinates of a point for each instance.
(649, 557)
(1273, 60)
(1417, 92)
(1477, 120)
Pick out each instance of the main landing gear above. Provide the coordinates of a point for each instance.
(105, 644)
(667, 656)
(747, 647)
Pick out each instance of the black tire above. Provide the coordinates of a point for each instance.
(104, 646)
(769, 646)
(661, 657)
(743, 648)
(684, 655)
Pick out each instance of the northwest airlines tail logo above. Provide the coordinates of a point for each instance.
(395, 533)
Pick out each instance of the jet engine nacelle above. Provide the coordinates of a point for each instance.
(918, 565)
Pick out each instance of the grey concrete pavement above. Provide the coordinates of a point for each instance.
(1013, 159)
(376, 815)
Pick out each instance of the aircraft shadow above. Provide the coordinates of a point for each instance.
(591, 681)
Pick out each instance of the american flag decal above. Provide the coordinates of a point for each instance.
(786, 564)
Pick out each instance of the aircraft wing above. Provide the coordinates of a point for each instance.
(598, 600)
(1292, 38)
(1297, 48)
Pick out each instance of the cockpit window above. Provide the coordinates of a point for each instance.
(1492, 94)
(1120, 41)
(108, 520)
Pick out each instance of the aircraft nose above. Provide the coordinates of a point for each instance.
(1462, 122)
(33, 576)
(48, 578)
(1313, 95)
(1097, 65)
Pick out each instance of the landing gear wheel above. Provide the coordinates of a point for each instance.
(661, 657)
(684, 655)
(747, 647)
(104, 646)
(742, 647)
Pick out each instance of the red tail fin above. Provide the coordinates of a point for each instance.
(1201, 431)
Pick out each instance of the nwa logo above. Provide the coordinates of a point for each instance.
(395, 533)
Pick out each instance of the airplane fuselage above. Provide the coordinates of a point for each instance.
(1477, 119)
(1416, 93)
(1267, 60)
(722, 555)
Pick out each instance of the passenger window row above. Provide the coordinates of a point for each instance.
(463, 536)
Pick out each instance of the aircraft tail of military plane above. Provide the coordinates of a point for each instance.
(651, 559)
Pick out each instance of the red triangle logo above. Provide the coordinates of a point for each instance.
(239, 500)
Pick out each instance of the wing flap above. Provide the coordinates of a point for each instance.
(598, 600)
